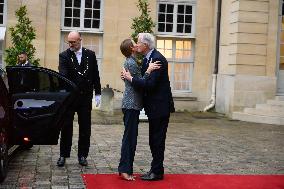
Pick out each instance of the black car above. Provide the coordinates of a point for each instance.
(33, 102)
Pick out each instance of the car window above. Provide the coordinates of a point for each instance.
(31, 80)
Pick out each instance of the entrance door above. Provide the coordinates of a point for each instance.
(280, 83)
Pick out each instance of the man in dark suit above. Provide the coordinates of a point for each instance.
(80, 66)
(26, 81)
(23, 59)
(156, 102)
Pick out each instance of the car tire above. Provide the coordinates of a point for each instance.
(3, 156)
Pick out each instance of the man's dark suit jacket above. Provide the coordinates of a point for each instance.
(26, 64)
(156, 98)
(86, 75)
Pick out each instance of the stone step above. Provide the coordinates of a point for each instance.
(276, 102)
(258, 118)
(270, 107)
(184, 98)
(281, 98)
(265, 112)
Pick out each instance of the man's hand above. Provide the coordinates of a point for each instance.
(153, 66)
(125, 74)
(98, 100)
(121, 74)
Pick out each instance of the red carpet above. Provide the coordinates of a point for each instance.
(186, 181)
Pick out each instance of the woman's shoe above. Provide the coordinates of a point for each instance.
(127, 177)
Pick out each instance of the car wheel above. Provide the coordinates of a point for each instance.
(3, 156)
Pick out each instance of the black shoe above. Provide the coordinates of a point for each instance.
(83, 161)
(146, 174)
(61, 162)
(150, 176)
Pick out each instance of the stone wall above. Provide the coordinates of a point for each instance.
(45, 17)
(247, 67)
(248, 46)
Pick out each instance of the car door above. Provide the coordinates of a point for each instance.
(4, 126)
(40, 98)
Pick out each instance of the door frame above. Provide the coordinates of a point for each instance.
(278, 49)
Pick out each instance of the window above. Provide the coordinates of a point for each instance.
(179, 53)
(90, 41)
(175, 18)
(2, 12)
(82, 15)
(1, 54)
(175, 40)
(33, 80)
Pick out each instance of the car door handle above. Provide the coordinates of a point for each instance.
(32, 103)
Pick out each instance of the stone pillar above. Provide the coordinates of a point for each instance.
(243, 80)
(107, 100)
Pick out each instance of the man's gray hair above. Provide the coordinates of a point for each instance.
(148, 39)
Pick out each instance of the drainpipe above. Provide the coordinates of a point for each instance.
(212, 101)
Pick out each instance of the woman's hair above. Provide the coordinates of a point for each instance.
(125, 47)
(148, 39)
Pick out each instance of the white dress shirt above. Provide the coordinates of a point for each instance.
(79, 55)
(148, 55)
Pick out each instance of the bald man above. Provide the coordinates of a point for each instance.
(80, 66)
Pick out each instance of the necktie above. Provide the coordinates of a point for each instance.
(144, 65)
(145, 61)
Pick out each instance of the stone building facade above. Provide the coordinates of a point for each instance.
(229, 51)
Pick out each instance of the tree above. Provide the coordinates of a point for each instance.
(143, 23)
(22, 35)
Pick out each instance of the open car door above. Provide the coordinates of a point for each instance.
(40, 98)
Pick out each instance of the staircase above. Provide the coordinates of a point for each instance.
(270, 113)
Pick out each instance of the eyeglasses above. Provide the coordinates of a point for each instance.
(71, 42)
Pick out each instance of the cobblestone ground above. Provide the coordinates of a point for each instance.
(203, 143)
